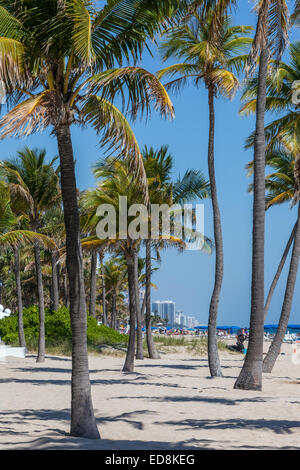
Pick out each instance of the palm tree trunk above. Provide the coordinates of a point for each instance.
(153, 354)
(66, 290)
(40, 289)
(129, 361)
(274, 349)
(93, 284)
(21, 334)
(139, 320)
(113, 310)
(250, 377)
(104, 319)
(83, 423)
(55, 286)
(213, 356)
(279, 270)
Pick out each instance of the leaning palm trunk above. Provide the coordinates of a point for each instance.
(83, 423)
(153, 354)
(279, 271)
(129, 361)
(274, 349)
(250, 377)
(55, 286)
(139, 320)
(213, 356)
(93, 284)
(40, 290)
(21, 334)
(104, 319)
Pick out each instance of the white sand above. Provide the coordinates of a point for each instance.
(167, 404)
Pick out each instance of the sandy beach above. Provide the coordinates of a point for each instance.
(166, 404)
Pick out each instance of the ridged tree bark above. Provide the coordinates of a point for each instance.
(22, 341)
(139, 319)
(129, 361)
(41, 303)
(104, 318)
(153, 354)
(250, 377)
(114, 310)
(55, 284)
(279, 271)
(83, 423)
(274, 349)
(213, 355)
(93, 284)
(66, 291)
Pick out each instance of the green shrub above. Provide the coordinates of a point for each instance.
(57, 330)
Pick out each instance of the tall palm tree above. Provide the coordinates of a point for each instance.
(162, 190)
(211, 53)
(115, 278)
(271, 35)
(281, 187)
(59, 63)
(34, 188)
(116, 181)
(279, 99)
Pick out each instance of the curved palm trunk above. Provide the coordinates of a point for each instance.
(139, 319)
(21, 334)
(278, 272)
(55, 286)
(40, 290)
(129, 361)
(93, 284)
(213, 356)
(250, 377)
(153, 354)
(104, 319)
(83, 423)
(274, 349)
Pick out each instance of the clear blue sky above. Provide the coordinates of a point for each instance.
(188, 278)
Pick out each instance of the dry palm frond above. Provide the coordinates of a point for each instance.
(261, 34)
(29, 116)
(118, 134)
(142, 87)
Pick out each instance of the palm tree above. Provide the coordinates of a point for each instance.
(59, 64)
(211, 53)
(115, 181)
(162, 190)
(34, 188)
(12, 238)
(281, 187)
(280, 86)
(115, 277)
(271, 35)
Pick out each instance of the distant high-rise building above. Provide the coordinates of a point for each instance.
(157, 308)
(165, 310)
(169, 312)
